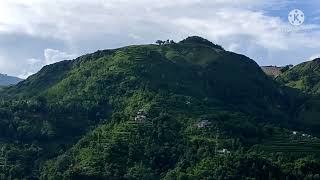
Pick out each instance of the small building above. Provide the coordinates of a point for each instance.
(141, 116)
(204, 124)
(224, 151)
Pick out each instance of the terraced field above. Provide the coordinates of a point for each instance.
(291, 143)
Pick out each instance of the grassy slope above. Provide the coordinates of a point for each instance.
(305, 76)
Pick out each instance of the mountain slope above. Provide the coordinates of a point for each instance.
(8, 80)
(305, 76)
(191, 69)
(180, 110)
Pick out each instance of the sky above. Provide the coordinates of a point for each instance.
(36, 33)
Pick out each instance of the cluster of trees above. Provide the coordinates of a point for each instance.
(168, 41)
(200, 40)
(286, 68)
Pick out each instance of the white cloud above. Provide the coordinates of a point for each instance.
(53, 56)
(82, 25)
(25, 74)
(77, 19)
(134, 36)
(314, 57)
(265, 31)
(50, 56)
(233, 47)
(33, 61)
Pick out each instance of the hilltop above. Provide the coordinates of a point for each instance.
(305, 76)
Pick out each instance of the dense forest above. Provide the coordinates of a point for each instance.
(186, 110)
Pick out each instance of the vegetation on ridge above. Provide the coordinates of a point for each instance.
(186, 110)
(305, 76)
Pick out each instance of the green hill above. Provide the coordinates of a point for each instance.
(187, 110)
(305, 76)
(190, 68)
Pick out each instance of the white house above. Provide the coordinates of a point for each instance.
(204, 124)
(141, 116)
(224, 151)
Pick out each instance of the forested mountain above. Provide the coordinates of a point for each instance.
(8, 80)
(187, 110)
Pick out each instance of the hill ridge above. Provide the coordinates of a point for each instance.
(174, 111)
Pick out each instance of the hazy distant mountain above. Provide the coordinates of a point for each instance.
(272, 70)
(6, 80)
(275, 71)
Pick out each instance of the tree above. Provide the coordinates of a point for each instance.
(159, 42)
(139, 171)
